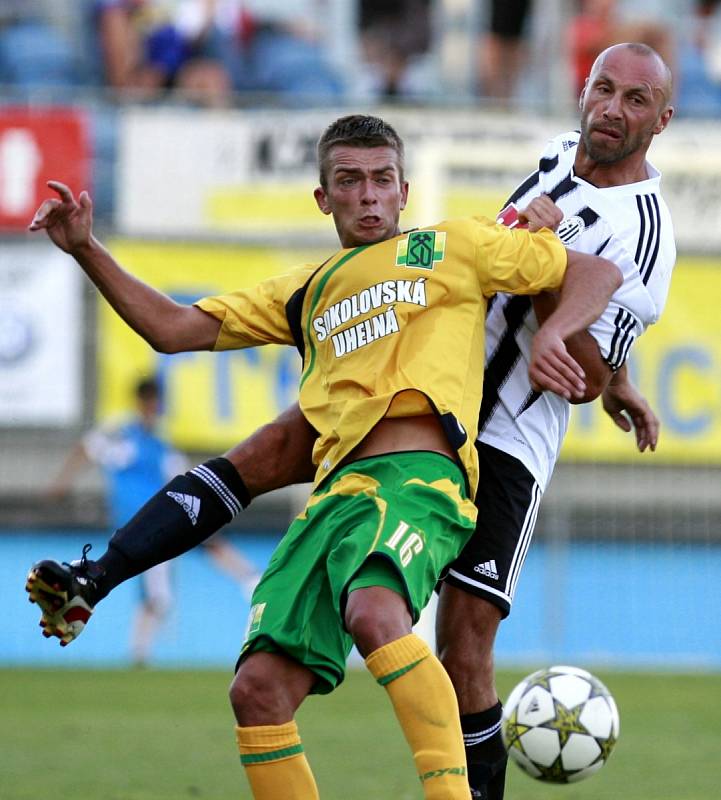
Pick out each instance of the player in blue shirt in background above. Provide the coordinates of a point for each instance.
(136, 460)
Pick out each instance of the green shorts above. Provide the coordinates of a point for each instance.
(406, 512)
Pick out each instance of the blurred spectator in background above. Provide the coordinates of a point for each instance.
(504, 47)
(699, 82)
(206, 49)
(148, 46)
(395, 38)
(282, 51)
(599, 24)
(136, 460)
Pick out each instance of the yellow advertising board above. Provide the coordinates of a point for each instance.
(677, 366)
(213, 400)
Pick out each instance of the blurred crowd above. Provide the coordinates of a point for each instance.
(214, 52)
(205, 50)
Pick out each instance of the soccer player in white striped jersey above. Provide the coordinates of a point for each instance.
(602, 196)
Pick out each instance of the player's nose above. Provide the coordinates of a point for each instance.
(368, 193)
(613, 107)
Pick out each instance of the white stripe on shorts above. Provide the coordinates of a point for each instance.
(524, 541)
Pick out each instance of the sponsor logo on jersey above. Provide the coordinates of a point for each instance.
(365, 332)
(421, 249)
(570, 229)
(374, 327)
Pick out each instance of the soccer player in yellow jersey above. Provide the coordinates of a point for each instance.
(391, 333)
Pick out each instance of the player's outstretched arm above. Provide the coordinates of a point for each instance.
(629, 409)
(167, 326)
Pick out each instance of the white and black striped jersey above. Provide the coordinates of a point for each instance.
(631, 226)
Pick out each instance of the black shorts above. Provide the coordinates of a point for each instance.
(508, 18)
(508, 499)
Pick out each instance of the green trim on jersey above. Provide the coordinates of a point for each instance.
(314, 302)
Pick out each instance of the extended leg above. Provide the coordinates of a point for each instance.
(176, 519)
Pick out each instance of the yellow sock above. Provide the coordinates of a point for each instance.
(275, 763)
(426, 707)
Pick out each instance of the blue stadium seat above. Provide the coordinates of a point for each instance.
(33, 55)
(281, 63)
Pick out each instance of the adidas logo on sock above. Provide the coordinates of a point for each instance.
(487, 568)
(189, 504)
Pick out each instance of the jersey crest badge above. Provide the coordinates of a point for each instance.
(570, 229)
(421, 249)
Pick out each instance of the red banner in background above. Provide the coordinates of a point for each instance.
(37, 145)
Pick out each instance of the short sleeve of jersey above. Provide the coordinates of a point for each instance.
(257, 315)
(518, 261)
(615, 331)
(633, 293)
(631, 309)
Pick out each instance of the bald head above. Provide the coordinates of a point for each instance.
(644, 61)
(624, 104)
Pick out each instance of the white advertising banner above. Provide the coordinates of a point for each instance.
(40, 336)
(187, 174)
(245, 174)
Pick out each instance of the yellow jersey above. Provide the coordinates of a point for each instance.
(393, 329)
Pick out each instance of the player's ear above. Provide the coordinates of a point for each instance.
(583, 93)
(321, 198)
(663, 120)
(404, 194)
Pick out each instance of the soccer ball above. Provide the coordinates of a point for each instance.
(560, 724)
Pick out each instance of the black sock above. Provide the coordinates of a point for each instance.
(485, 753)
(184, 513)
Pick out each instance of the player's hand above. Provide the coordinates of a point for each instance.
(629, 409)
(541, 212)
(67, 221)
(552, 367)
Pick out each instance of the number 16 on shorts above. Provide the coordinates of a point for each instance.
(405, 542)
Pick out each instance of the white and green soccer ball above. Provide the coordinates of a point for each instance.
(560, 724)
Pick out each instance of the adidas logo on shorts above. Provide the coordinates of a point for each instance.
(487, 568)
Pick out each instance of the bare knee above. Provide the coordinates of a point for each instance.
(253, 697)
(268, 688)
(375, 616)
